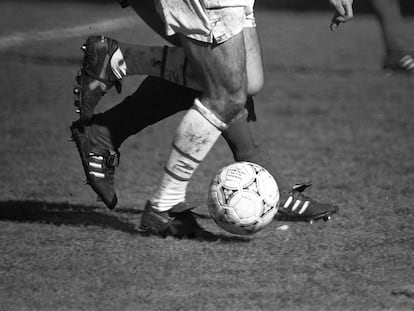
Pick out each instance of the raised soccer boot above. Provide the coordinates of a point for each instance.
(99, 159)
(96, 76)
(402, 63)
(178, 222)
(295, 206)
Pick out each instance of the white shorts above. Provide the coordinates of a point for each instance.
(206, 20)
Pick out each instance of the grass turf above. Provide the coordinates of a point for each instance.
(330, 115)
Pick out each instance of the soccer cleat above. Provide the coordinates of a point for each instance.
(98, 163)
(295, 206)
(96, 75)
(178, 222)
(399, 63)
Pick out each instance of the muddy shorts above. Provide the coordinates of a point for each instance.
(206, 20)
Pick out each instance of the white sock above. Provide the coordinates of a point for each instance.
(196, 135)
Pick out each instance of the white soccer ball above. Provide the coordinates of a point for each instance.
(243, 198)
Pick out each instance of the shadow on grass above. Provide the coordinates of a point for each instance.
(60, 213)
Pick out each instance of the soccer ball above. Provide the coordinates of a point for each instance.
(243, 198)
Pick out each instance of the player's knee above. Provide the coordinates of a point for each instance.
(235, 105)
(235, 99)
(228, 106)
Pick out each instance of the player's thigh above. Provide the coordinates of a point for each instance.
(222, 69)
(147, 11)
(254, 62)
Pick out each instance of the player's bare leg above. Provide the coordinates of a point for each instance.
(222, 69)
(171, 63)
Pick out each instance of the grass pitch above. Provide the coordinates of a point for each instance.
(330, 115)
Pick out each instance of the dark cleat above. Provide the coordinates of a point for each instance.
(98, 160)
(295, 206)
(178, 222)
(96, 76)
